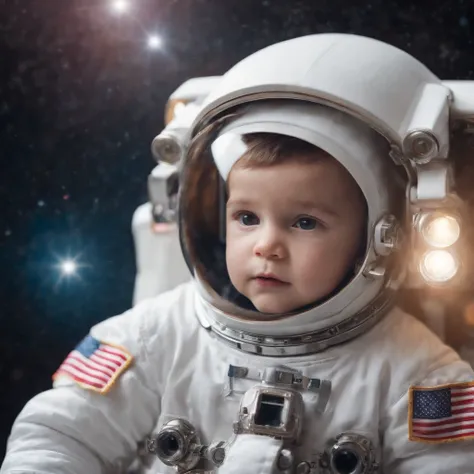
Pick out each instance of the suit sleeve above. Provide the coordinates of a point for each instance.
(74, 430)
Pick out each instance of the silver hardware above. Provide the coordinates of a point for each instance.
(271, 411)
(312, 342)
(350, 453)
(177, 444)
(167, 147)
(285, 461)
(163, 184)
(375, 271)
(216, 453)
(387, 235)
(303, 468)
(284, 377)
(421, 146)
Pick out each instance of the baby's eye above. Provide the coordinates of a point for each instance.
(306, 223)
(247, 218)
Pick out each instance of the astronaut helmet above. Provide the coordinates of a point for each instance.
(385, 118)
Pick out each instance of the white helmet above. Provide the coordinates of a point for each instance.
(382, 114)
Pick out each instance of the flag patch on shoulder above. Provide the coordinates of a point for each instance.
(442, 413)
(94, 365)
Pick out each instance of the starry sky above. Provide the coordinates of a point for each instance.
(81, 97)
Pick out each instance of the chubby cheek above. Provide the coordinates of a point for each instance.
(235, 261)
(321, 270)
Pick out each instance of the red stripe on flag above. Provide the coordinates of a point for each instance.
(109, 357)
(459, 392)
(434, 423)
(113, 351)
(65, 370)
(91, 364)
(83, 369)
(456, 427)
(450, 437)
(463, 410)
(100, 360)
(466, 401)
(82, 373)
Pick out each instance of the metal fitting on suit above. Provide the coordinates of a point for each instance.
(178, 444)
(350, 453)
(271, 411)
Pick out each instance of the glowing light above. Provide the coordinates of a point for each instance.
(438, 266)
(120, 6)
(68, 267)
(441, 231)
(154, 42)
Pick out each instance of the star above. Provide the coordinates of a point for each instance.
(68, 267)
(154, 42)
(120, 6)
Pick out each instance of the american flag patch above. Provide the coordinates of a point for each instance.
(441, 414)
(94, 365)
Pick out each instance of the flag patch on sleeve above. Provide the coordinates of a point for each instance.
(442, 413)
(94, 365)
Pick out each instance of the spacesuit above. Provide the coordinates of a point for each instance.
(197, 380)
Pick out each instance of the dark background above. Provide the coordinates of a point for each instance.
(81, 98)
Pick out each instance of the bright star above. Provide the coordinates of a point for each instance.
(68, 267)
(120, 6)
(154, 42)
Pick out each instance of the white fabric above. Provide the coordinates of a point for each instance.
(260, 452)
(180, 370)
(159, 259)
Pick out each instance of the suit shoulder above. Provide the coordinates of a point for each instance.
(149, 320)
(406, 336)
(409, 352)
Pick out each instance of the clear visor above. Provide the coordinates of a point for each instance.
(216, 149)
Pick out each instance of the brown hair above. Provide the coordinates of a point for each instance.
(266, 149)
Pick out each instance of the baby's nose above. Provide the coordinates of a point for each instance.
(269, 244)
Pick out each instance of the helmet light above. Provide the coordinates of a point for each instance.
(440, 230)
(438, 266)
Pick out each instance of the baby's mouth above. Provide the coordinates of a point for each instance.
(268, 279)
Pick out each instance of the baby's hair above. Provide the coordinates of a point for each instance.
(266, 149)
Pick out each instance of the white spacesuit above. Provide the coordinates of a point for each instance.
(197, 380)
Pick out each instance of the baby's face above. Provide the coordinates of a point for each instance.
(293, 231)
